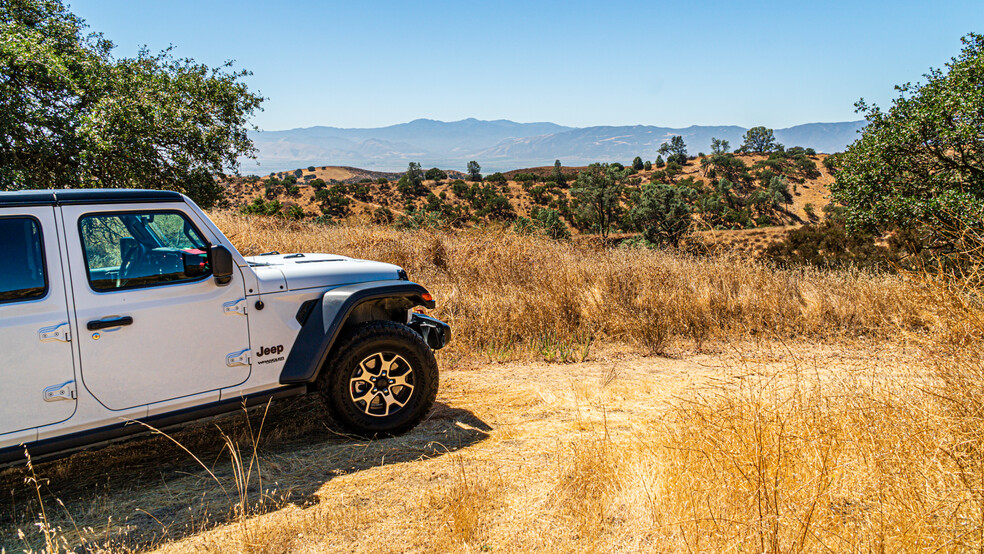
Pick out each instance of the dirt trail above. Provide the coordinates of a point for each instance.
(497, 440)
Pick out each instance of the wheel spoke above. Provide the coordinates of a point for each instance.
(391, 401)
(382, 384)
(400, 380)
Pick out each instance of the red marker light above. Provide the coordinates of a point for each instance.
(427, 297)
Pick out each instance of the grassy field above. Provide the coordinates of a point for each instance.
(592, 400)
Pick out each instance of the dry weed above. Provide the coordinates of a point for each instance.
(507, 295)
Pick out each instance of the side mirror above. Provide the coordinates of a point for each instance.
(194, 262)
(222, 265)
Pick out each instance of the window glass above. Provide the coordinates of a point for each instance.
(22, 275)
(141, 249)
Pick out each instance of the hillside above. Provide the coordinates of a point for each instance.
(357, 194)
(503, 145)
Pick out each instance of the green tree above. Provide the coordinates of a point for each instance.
(597, 197)
(474, 171)
(922, 161)
(759, 140)
(435, 174)
(497, 177)
(411, 183)
(637, 164)
(719, 146)
(676, 150)
(662, 214)
(75, 116)
(333, 201)
(557, 175)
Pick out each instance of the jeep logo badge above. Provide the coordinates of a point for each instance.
(267, 351)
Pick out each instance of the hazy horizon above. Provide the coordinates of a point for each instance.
(579, 64)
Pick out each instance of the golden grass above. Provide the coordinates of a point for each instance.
(802, 411)
(506, 294)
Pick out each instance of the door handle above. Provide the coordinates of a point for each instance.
(107, 323)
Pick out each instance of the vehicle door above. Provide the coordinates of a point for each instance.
(154, 324)
(36, 360)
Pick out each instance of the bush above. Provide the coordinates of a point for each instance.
(310, 168)
(496, 177)
(435, 174)
(460, 188)
(382, 216)
(294, 213)
(543, 221)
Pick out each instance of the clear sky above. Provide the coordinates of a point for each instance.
(619, 62)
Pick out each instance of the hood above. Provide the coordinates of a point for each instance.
(306, 271)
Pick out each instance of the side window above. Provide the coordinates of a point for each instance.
(142, 249)
(22, 273)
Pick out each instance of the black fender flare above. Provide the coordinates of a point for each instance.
(327, 317)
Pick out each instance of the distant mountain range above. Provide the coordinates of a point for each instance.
(502, 145)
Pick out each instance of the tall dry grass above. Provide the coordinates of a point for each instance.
(761, 461)
(505, 294)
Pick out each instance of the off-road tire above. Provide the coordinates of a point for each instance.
(334, 383)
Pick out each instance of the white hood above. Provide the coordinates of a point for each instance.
(305, 271)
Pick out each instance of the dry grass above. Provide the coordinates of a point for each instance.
(506, 294)
(800, 411)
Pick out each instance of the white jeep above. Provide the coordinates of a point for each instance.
(127, 306)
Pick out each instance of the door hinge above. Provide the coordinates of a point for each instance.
(238, 358)
(54, 333)
(64, 391)
(235, 307)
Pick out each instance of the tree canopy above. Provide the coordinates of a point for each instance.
(922, 160)
(74, 116)
(661, 213)
(676, 148)
(760, 140)
(474, 171)
(597, 196)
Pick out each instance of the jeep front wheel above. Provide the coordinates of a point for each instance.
(381, 380)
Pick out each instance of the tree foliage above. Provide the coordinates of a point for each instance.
(557, 175)
(676, 150)
(75, 116)
(719, 146)
(922, 160)
(435, 174)
(662, 214)
(759, 140)
(411, 183)
(597, 197)
(474, 171)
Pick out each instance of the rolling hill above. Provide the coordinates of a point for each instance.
(502, 145)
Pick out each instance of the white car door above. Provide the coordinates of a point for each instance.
(151, 327)
(36, 362)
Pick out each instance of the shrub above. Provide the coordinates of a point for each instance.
(496, 177)
(382, 216)
(435, 174)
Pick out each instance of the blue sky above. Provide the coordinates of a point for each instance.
(374, 63)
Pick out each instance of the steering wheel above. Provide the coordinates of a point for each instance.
(135, 257)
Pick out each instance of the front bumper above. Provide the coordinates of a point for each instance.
(435, 332)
